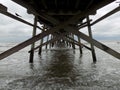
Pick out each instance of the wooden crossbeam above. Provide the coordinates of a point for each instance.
(95, 43)
(3, 8)
(33, 44)
(82, 26)
(90, 35)
(80, 47)
(25, 43)
(47, 41)
(30, 41)
(18, 19)
(106, 15)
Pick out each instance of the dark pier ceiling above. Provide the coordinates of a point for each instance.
(62, 10)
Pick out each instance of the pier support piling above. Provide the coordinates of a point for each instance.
(90, 35)
(41, 41)
(33, 45)
(47, 41)
(73, 45)
(80, 47)
(40, 48)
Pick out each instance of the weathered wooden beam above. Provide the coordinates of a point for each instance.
(3, 8)
(94, 42)
(53, 42)
(82, 26)
(26, 43)
(80, 47)
(40, 48)
(17, 18)
(33, 44)
(106, 15)
(73, 45)
(41, 41)
(70, 37)
(47, 41)
(91, 44)
(50, 45)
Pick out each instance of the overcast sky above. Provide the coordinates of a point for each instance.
(12, 30)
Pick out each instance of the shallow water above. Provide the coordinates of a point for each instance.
(60, 69)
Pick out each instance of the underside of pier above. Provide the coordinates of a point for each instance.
(61, 20)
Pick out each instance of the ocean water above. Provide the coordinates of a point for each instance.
(60, 69)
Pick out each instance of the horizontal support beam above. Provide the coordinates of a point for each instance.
(106, 15)
(94, 42)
